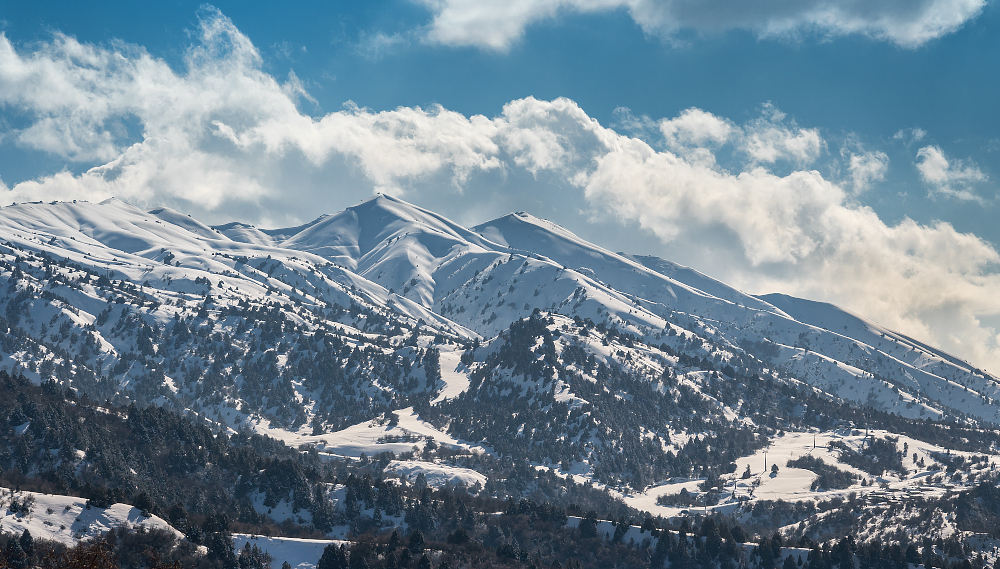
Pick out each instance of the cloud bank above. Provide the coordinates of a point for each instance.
(907, 23)
(222, 139)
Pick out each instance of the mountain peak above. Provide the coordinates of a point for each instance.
(376, 223)
(112, 201)
(393, 210)
(507, 230)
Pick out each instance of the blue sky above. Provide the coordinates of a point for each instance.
(850, 86)
(636, 125)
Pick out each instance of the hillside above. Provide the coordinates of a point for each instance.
(512, 358)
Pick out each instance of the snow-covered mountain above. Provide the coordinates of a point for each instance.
(386, 306)
(513, 357)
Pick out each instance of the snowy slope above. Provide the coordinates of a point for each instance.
(298, 553)
(318, 333)
(829, 317)
(68, 519)
(404, 260)
(245, 233)
(529, 233)
(840, 354)
(390, 337)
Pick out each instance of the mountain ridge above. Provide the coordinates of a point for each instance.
(513, 358)
(413, 255)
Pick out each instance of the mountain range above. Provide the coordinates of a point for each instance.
(455, 353)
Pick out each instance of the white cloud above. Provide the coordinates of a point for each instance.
(952, 178)
(205, 129)
(799, 233)
(910, 135)
(865, 168)
(377, 45)
(769, 140)
(696, 127)
(909, 23)
(223, 139)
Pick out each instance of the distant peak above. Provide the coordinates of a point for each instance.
(522, 218)
(532, 218)
(383, 209)
(288, 231)
(119, 203)
(233, 224)
(112, 201)
(381, 200)
(167, 211)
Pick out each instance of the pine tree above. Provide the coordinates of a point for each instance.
(27, 543)
(394, 541)
(333, 558)
(588, 525)
(416, 542)
(358, 561)
(253, 558)
(15, 555)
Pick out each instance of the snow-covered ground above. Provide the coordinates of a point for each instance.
(407, 264)
(436, 474)
(410, 434)
(67, 519)
(299, 553)
(794, 484)
(474, 282)
(456, 380)
(371, 437)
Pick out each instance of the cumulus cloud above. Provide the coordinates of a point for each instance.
(799, 232)
(866, 168)
(204, 128)
(908, 23)
(767, 139)
(951, 178)
(222, 139)
(695, 127)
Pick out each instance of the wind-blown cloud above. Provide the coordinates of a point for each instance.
(951, 178)
(746, 202)
(866, 168)
(910, 135)
(908, 23)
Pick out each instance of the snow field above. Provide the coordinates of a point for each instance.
(67, 519)
(299, 553)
